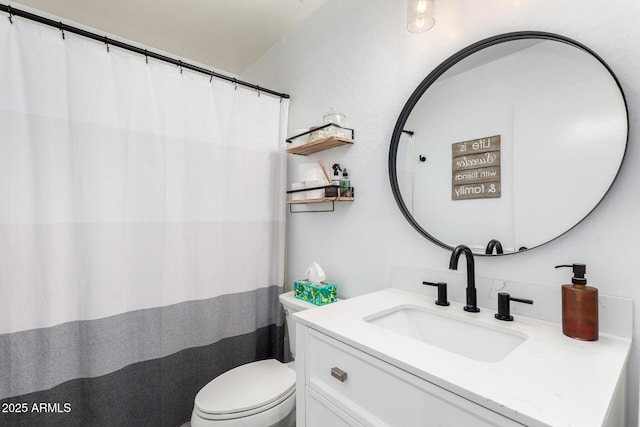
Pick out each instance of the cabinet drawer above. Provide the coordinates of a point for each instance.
(321, 413)
(377, 394)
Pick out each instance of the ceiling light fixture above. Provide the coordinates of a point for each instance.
(420, 15)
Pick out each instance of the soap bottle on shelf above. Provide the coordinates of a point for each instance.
(345, 185)
(335, 179)
(579, 306)
(335, 182)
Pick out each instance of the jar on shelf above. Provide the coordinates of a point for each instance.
(337, 118)
(318, 134)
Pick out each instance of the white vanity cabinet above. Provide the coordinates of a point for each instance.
(354, 371)
(365, 391)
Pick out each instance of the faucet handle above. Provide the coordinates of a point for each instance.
(504, 306)
(442, 292)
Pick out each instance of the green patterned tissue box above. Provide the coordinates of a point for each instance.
(315, 294)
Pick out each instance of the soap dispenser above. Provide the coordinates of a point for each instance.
(345, 184)
(335, 182)
(579, 306)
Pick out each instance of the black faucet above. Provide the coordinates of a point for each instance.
(442, 292)
(472, 305)
(494, 244)
(504, 306)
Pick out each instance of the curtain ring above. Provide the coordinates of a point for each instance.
(61, 29)
(10, 14)
(258, 90)
(106, 42)
(146, 56)
(235, 84)
(211, 78)
(180, 65)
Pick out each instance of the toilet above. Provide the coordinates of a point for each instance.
(258, 394)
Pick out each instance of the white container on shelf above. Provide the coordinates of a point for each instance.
(309, 172)
(299, 195)
(315, 194)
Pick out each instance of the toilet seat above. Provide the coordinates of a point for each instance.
(246, 390)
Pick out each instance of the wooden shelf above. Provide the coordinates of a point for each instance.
(324, 199)
(320, 145)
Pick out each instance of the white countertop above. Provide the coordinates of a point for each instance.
(548, 380)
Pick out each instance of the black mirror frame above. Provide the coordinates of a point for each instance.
(441, 69)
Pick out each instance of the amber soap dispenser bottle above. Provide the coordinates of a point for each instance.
(579, 306)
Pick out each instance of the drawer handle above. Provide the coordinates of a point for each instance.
(339, 374)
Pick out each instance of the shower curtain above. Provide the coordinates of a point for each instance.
(141, 231)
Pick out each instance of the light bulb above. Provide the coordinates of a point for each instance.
(420, 15)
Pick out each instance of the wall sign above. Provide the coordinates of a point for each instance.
(475, 169)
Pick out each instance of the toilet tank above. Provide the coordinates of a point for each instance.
(292, 305)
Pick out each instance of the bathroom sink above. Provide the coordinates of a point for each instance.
(478, 341)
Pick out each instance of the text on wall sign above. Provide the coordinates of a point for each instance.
(475, 169)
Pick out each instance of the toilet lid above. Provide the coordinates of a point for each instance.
(246, 388)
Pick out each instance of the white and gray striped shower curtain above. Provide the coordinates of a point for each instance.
(141, 231)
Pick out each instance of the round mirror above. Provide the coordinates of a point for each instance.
(509, 143)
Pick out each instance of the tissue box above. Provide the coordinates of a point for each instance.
(318, 295)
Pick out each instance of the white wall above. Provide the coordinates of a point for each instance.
(357, 56)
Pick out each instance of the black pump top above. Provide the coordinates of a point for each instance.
(345, 173)
(579, 270)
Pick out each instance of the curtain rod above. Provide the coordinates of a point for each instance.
(148, 54)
